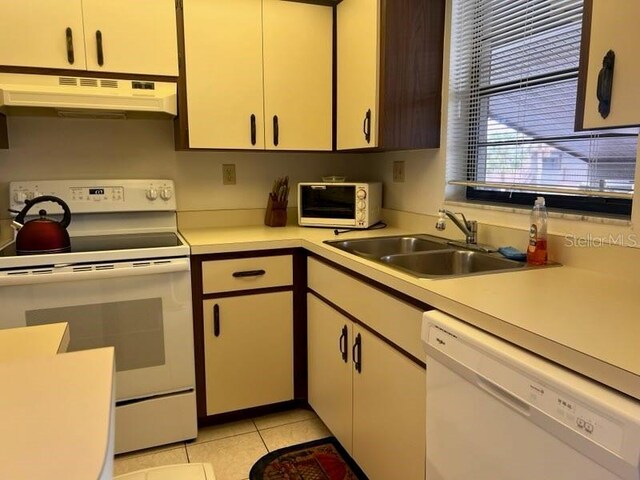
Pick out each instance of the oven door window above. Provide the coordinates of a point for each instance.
(320, 201)
(134, 327)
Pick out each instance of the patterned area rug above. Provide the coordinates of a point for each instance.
(323, 459)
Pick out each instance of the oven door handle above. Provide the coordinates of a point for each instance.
(70, 273)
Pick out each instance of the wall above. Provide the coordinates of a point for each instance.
(55, 148)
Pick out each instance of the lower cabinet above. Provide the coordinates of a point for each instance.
(248, 349)
(369, 394)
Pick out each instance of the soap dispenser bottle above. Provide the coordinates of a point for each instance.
(537, 249)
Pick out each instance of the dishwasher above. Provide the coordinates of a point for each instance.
(498, 412)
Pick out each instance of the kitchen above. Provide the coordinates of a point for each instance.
(54, 148)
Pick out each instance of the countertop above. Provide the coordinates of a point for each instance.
(56, 407)
(29, 342)
(586, 321)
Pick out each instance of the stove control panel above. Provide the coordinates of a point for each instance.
(96, 196)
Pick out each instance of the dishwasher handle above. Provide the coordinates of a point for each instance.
(499, 393)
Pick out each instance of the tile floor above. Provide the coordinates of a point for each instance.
(231, 448)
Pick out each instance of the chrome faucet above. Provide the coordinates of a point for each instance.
(468, 227)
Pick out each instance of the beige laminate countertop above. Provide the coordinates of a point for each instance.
(56, 407)
(584, 320)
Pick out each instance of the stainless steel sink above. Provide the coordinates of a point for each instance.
(450, 262)
(382, 246)
(426, 256)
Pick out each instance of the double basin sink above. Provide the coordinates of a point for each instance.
(427, 256)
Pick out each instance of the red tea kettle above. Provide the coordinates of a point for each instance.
(42, 235)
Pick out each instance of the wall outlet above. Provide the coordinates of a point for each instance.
(398, 171)
(229, 174)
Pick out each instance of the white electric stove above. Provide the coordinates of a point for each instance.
(126, 283)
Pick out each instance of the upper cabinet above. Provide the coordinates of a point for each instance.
(608, 88)
(118, 36)
(258, 74)
(389, 74)
(125, 36)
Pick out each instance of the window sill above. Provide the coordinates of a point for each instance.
(570, 216)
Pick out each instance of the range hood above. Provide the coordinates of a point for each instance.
(70, 96)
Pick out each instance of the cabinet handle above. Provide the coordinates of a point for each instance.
(99, 46)
(344, 341)
(253, 129)
(357, 353)
(216, 320)
(366, 126)
(276, 130)
(605, 84)
(249, 273)
(70, 55)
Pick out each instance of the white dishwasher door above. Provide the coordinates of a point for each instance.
(496, 412)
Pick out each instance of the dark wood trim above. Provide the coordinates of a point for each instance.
(181, 121)
(198, 336)
(204, 421)
(583, 68)
(412, 45)
(242, 293)
(300, 387)
(4, 132)
(86, 73)
(334, 87)
(403, 297)
(355, 320)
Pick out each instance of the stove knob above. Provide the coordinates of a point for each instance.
(152, 193)
(166, 193)
(361, 194)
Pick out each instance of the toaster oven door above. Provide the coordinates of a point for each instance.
(327, 205)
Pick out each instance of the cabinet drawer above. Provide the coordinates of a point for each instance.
(247, 274)
(392, 318)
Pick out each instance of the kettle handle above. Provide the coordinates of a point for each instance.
(66, 219)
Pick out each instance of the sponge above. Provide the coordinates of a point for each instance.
(513, 253)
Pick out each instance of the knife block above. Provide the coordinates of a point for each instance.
(276, 214)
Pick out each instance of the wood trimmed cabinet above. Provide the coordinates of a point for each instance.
(258, 74)
(116, 36)
(389, 74)
(366, 372)
(246, 321)
(607, 26)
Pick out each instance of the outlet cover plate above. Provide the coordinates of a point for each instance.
(398, 171)
(229, 174)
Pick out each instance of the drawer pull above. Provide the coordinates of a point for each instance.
(216, 320)
(249, 273)
(344, 341)
(357, 353)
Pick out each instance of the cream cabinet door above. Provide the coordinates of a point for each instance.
(248, 351)
(358, 54)
(125, 36)
(34, 34)
(223, 52)
(389, 410)
(298, 57)
(614, 27)
(329, 335)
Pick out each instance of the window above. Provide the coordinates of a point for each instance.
(512, 97)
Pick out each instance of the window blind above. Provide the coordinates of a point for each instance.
(512, 98)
